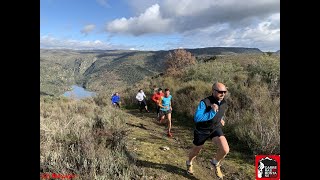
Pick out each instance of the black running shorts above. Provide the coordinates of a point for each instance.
(142, 103)
(162, 113)
(201, 135)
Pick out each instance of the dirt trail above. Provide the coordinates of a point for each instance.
(147, 138)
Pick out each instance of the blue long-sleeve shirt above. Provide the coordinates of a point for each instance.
(200, 114)
(115, 99)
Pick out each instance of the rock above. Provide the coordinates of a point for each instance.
(165, 148)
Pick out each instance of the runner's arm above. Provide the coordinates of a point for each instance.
(137, 97)
(160, 102)
(201, 114)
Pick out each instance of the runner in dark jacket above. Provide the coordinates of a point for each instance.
(209, 119)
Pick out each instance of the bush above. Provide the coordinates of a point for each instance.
(255, 117)
(268, 68)
(177, 61)
(188, 96)
(81, 138)
(214, 71)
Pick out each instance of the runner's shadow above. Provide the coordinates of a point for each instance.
(167, 167)
(137, 113)
(141, 126)
(144, 115)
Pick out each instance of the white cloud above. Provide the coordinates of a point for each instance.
(50, 42)
(189, 15)
(87, 29)
(55, 43)
(245, 23)
(219, 7)
(264, 35)
(204, 23)
(186, 15)
(151, 21)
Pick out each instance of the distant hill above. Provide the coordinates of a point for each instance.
(223, 51)
(98, 69)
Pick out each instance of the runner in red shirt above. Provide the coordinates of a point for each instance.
(155, 98)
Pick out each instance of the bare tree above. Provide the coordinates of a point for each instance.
(177, 60)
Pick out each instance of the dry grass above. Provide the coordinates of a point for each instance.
(88, 138)
(78, 137)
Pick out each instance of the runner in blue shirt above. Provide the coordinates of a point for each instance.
(116, 100)
(165, 105)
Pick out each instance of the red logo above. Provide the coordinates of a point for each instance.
(267, 167)
(56, 176)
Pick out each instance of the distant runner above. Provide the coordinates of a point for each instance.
(141, 100)
(165, 105)
(115, 99)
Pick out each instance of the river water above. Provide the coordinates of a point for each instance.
(78, 92)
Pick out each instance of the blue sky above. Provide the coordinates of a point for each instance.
(159, 24)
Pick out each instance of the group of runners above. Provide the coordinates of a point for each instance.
(163, 103)
(208, 118)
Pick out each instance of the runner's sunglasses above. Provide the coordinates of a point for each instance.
(220, 92)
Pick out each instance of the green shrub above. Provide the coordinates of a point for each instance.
(268, 68)
(255, 117)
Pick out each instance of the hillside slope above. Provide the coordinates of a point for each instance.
(145, 142)
(97, 69)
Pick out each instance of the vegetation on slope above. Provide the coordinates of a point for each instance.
(96, 69)
(91, 140)
(253, 117)
(83, 137)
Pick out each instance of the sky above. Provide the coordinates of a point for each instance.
(159, 24)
